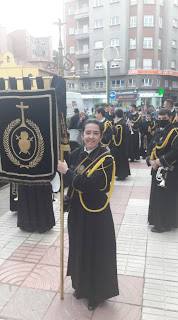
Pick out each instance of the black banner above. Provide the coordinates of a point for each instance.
(29, 136)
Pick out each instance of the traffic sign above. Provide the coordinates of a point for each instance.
(112, 94)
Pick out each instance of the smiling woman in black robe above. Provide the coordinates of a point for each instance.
(92, 247)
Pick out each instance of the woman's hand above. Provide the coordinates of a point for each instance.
(62, 167)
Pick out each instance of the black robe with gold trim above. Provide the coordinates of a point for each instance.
(146, 130)
(92, 247)
(163, 206)
(119, 150)
(107, 134)
(133, 137)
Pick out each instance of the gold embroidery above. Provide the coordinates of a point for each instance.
(18, 153)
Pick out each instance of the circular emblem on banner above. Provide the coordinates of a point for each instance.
(23, 143)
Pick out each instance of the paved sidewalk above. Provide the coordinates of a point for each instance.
(147, 264)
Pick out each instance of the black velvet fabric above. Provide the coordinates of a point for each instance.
(26, 83)
(40, 82)
(35, 209)
(13, 83)
(42, 130)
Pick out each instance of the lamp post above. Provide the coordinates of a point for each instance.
(110, 53)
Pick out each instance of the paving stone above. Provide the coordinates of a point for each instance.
(28, 304)
(130, 265)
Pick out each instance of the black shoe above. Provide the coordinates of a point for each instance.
(76, 295)
(119, 179)
(157, 230)
(92, 307)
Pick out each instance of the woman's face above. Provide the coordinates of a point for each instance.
(91, 136)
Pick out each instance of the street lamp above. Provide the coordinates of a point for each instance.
(110, 53)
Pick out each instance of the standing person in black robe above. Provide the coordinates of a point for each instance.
(74, 119)
(163, 152)
(133, 133)
(169, 104)
(111, 115)
(106, 140)
(147, 128)
(92, 247)
(119, 148)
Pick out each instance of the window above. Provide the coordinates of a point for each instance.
(72, 50)
(113, 1)
(132, 2)
(7, 59)
(99, 44)
(98, 3)
(98, 23)
(43, 53)
(148, 21)
(158, 82)
(159, 44)
(160, 22)
(132, 64)
(174, 43)
(149, 1)
(146, 82)
(98, 65)
(133, 21)
(118, 83)
(175, 84)
(86, 85)
(132, 43)
(147, 43)
(159, 64)
(85, 67)
(166, 83)
(175, 23)
(71, 85)
(132, 83)
(114, 64)
(71, 30)
(71, 11)
(114, 21)
(85, 48)
(100, 84)
(173, 64)
(115, 42)
(147, 64)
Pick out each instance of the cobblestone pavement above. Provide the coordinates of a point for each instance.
(147, 264)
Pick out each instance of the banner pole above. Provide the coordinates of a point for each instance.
(62, 230)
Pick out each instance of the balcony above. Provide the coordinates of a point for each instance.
(82, 54)
(82, 73)
(82, 33)
(81, 13)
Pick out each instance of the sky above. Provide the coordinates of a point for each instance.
(36, 16)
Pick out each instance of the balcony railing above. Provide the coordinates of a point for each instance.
(81, 13)
(82, 31)
(82, 72)
(82, 53)
(81, 10)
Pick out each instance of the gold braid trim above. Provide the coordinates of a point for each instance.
(106, 125)
(136, 121)
(117, 128)
(100, 162)
(154, 124)
(153, 154)
(174, 120)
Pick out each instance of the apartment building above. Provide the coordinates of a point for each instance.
(145, 32)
